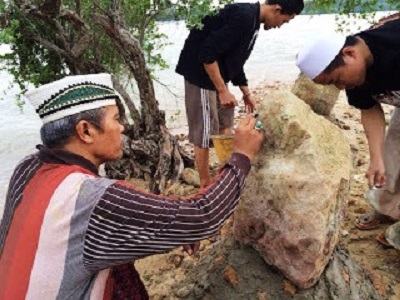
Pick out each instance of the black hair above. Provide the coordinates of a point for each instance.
(338, 61)
(289, 7)
(57, 133)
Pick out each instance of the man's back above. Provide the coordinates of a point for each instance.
(43, 240)
(381, 79)
(227, 37)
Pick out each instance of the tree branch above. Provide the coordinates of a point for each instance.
(84, 38)
(48, 45)
(130, 50)
(34, 12)
(129, 102)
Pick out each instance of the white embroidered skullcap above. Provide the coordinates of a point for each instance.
(72, 95)
(318, 52)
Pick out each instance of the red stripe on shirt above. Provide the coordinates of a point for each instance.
(23, 236)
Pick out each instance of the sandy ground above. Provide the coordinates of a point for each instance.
(381, 262)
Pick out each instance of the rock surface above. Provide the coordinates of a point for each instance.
(230, 271)
(257, 279)
(320, 98)
(295, 194)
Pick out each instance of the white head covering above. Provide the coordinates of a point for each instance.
(318, 52)
(71, 95)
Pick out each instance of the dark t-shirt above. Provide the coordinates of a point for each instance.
(227, 37)
(382, 82)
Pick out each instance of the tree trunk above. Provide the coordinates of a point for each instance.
(150, 150)
(343, 279)
(170, 164)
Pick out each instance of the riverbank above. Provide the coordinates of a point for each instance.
(162, 273)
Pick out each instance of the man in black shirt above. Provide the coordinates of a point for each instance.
(215, 55)
(366, 65)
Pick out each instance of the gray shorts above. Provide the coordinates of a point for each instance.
(204, 114)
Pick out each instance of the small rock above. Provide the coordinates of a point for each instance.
(185, 291)
(188, 190)
(349, 114)
(231, 276)
(177, 260)
(206, 243)
(346, 127)
(179, 277)
(188, 262)
(378, 283)
(359, 178)
(219, 261)
(344, 233)
(201, 247)
(191, 177)
(199, 292)
(360, 210)
(172, 190)
(351, 202)
(289, 288)
(214, 238)
(361, 162)
(262, 296)
(147, 177)
(346, 277)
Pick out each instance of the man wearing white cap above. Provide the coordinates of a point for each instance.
(367, 65)
(67, 233)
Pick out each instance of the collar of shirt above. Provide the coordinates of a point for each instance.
(65, 157)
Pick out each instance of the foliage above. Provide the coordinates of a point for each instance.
(348, 10)
(32, 62)
(349, 6)
(28, 62)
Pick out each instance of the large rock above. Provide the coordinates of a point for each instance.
(290, 210)
(321, 98)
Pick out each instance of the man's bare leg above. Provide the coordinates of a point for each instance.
(201, 156)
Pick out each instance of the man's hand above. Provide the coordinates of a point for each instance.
(227, 99)
(249, 103)
(247, 140)
(376, 173)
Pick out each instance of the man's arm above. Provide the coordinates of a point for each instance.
(241, 81)
(226, 98)
(250, 103)
(127, 224)
(373, 120)
(219, 42)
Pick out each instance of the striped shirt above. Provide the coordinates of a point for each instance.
(67, 233)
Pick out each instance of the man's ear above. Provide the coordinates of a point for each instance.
(349, 51)
(85, 131)
(277, 9)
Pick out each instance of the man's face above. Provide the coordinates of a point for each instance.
(107, 145)
(348, 76)
(277, 19)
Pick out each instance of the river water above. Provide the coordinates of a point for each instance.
(272, 60)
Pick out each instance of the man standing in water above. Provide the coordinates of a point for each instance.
(365, 65)
(215, 55)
